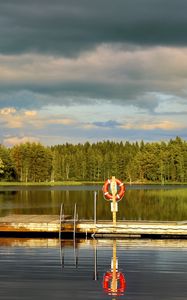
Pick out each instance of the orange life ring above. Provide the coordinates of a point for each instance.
(121, 286)
(108, 195)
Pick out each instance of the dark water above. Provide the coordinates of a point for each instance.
(139, 203)
(42, 269)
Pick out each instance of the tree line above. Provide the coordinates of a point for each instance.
(131, 162)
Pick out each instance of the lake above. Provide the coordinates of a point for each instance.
(45, 269)
(131, 269)
(141, 202)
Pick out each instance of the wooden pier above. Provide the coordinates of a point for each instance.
(52, 225)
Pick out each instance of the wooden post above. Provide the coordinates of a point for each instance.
(114, 191)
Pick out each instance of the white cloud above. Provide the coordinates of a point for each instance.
(14, 140)
(148, 124)
(61, 121)
(7, 111)
(30, 113)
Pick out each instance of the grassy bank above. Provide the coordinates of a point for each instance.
(65, 183)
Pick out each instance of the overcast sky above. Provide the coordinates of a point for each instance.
(83, 70)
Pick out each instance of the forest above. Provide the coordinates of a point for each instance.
(137, 162)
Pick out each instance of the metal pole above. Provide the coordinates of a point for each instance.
(60, 221)
(75, 214)
(95, 208)
(61, 255)
(74, 232)
(95, 260)
(75, 253)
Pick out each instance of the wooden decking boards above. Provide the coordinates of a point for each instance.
(50, 224)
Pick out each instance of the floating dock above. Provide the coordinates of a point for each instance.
(52, 225)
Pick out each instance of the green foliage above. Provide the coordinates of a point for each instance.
(1, 166)
(32, 162)
(130, 162)
(8, 172)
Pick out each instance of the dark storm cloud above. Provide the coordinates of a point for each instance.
(69, 27)
(32, 96)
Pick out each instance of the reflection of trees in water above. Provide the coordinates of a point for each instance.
(158, 204)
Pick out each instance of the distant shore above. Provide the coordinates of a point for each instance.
(67, 183)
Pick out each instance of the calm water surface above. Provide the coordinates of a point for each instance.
(45, 269)
(139, 203)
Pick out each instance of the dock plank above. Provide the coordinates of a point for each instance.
(51, 224)
(30, 218)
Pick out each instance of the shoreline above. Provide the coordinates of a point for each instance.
(79, 183)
